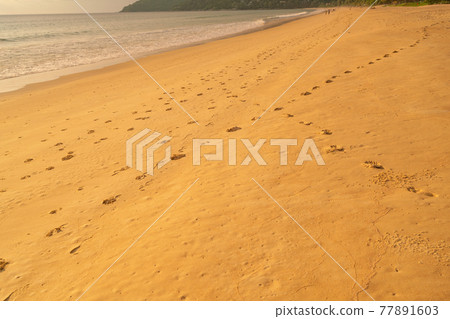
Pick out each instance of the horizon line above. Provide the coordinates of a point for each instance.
(53, 13)
(60, 13)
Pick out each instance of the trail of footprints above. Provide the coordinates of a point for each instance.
(385, 178)
(389, 178)
(219, 78)
(334, 78)
(338, 148)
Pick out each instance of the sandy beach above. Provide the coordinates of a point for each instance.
(376, 105)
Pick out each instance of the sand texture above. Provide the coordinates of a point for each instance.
(376, 105)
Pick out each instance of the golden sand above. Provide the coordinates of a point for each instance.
(69, 206)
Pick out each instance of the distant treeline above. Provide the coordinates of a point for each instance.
(190, 5)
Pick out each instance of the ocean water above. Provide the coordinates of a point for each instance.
(45, 44)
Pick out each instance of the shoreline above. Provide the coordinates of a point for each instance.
(17, 83)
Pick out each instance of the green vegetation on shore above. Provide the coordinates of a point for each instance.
(191, 5)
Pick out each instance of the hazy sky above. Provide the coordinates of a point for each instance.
(60, 6)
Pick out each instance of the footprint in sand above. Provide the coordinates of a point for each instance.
(120, 170)
(373, 164)
(3, 264)
(334, 148)
(326, 132)
(306, 93)
(412, 189)
(91, 132)
(176, 157)
(389, 177)
(68, 157)
(347, 72)
(233, 129)
(141, 177)
(130, 129)
(278, 109)
(25, 177)
(305, 123)
(54, 231)
(329, 81)
(315, 87)
(371, 62)
(110, 200)
(28, 160)
(74, 250)
(53, 212)
(50, 168)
